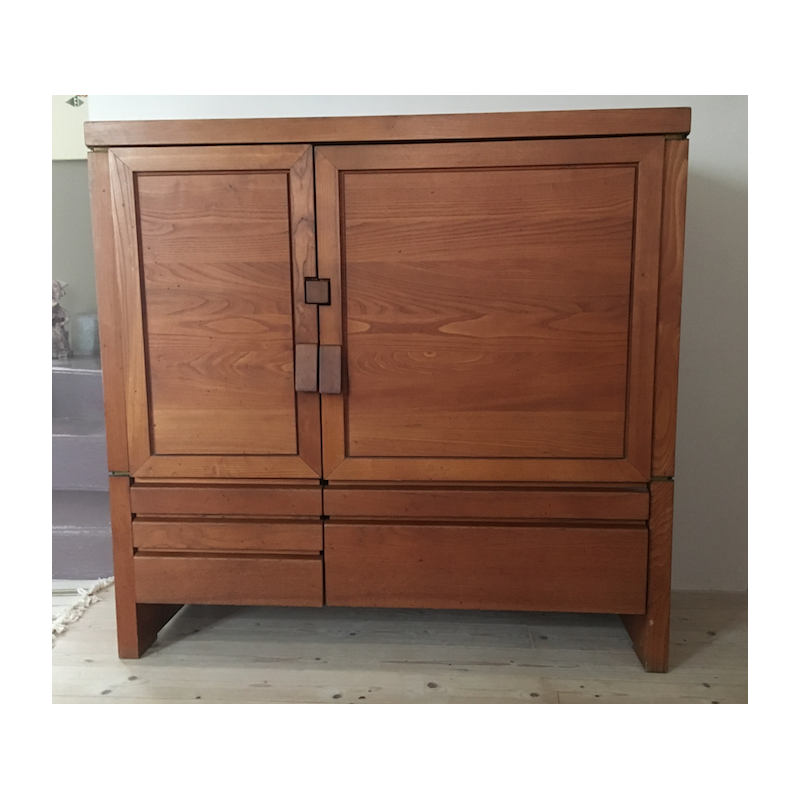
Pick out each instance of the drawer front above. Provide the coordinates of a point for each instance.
(231, 535)
(303, 501)
(488, 503)
(582, 569)
(229, 580)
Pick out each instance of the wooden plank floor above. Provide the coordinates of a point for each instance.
(212, 654)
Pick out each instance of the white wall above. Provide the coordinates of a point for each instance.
(73, 256)
(711, 466)
(68, 122)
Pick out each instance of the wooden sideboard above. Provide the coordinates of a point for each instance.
(417, 361)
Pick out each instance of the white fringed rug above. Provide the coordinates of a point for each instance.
(75, 611)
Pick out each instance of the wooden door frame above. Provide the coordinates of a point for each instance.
(123, 165)
(647, 154)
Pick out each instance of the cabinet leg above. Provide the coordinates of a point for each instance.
(141, 623)
(138, 624)
(650, 631)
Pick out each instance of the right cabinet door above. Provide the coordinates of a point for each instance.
(496, 306)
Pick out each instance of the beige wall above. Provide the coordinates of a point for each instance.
(68, 119)
(711, 482)
(73, 258)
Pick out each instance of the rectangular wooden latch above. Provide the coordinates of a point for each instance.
(305, 367)
(330, 369)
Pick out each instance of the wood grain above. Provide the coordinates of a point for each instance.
(130, 322)
(279, 501)
(221, 482)
(492, 309)
(507, 312)
(594, 151)
(226, 238)
(329, 254)
(232, 467)
(486, 567)
(231, 535)
(644, 308)
(306, 357)
(330, 369)
(673, 226)
(109, 312)
(217, 286)
(309, 433)
(330, 317)
(263, 655)
(650, 631)
(420, 503)
(302, 217)
(610, 122)
(229, 580)
(138, 623)
(502, 470)
(128, 637)
(199, 159)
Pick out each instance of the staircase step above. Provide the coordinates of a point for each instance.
(65, 426)
(80, 459)
(82, 547)
(78, 389)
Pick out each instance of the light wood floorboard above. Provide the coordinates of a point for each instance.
(234, 655)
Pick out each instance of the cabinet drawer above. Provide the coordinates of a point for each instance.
(232, 535)
(229, 580)
(488, 503)
(543, 568)
(277, 501)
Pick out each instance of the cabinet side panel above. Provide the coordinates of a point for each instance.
(138, 624)
(650, 631)
(676, 167)
(109, 313)
(122, 532)
(126, 255)
(644, 308)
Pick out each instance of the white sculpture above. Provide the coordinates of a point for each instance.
(60, 320)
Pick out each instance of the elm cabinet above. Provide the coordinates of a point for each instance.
(392, 362)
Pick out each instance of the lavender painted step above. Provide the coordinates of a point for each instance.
(81, 536)
(80, 461)
(78, 389)
(79, 441)
(81, 519)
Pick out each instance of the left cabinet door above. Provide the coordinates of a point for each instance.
(211, 248)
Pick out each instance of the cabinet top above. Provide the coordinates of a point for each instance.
(401, 128)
